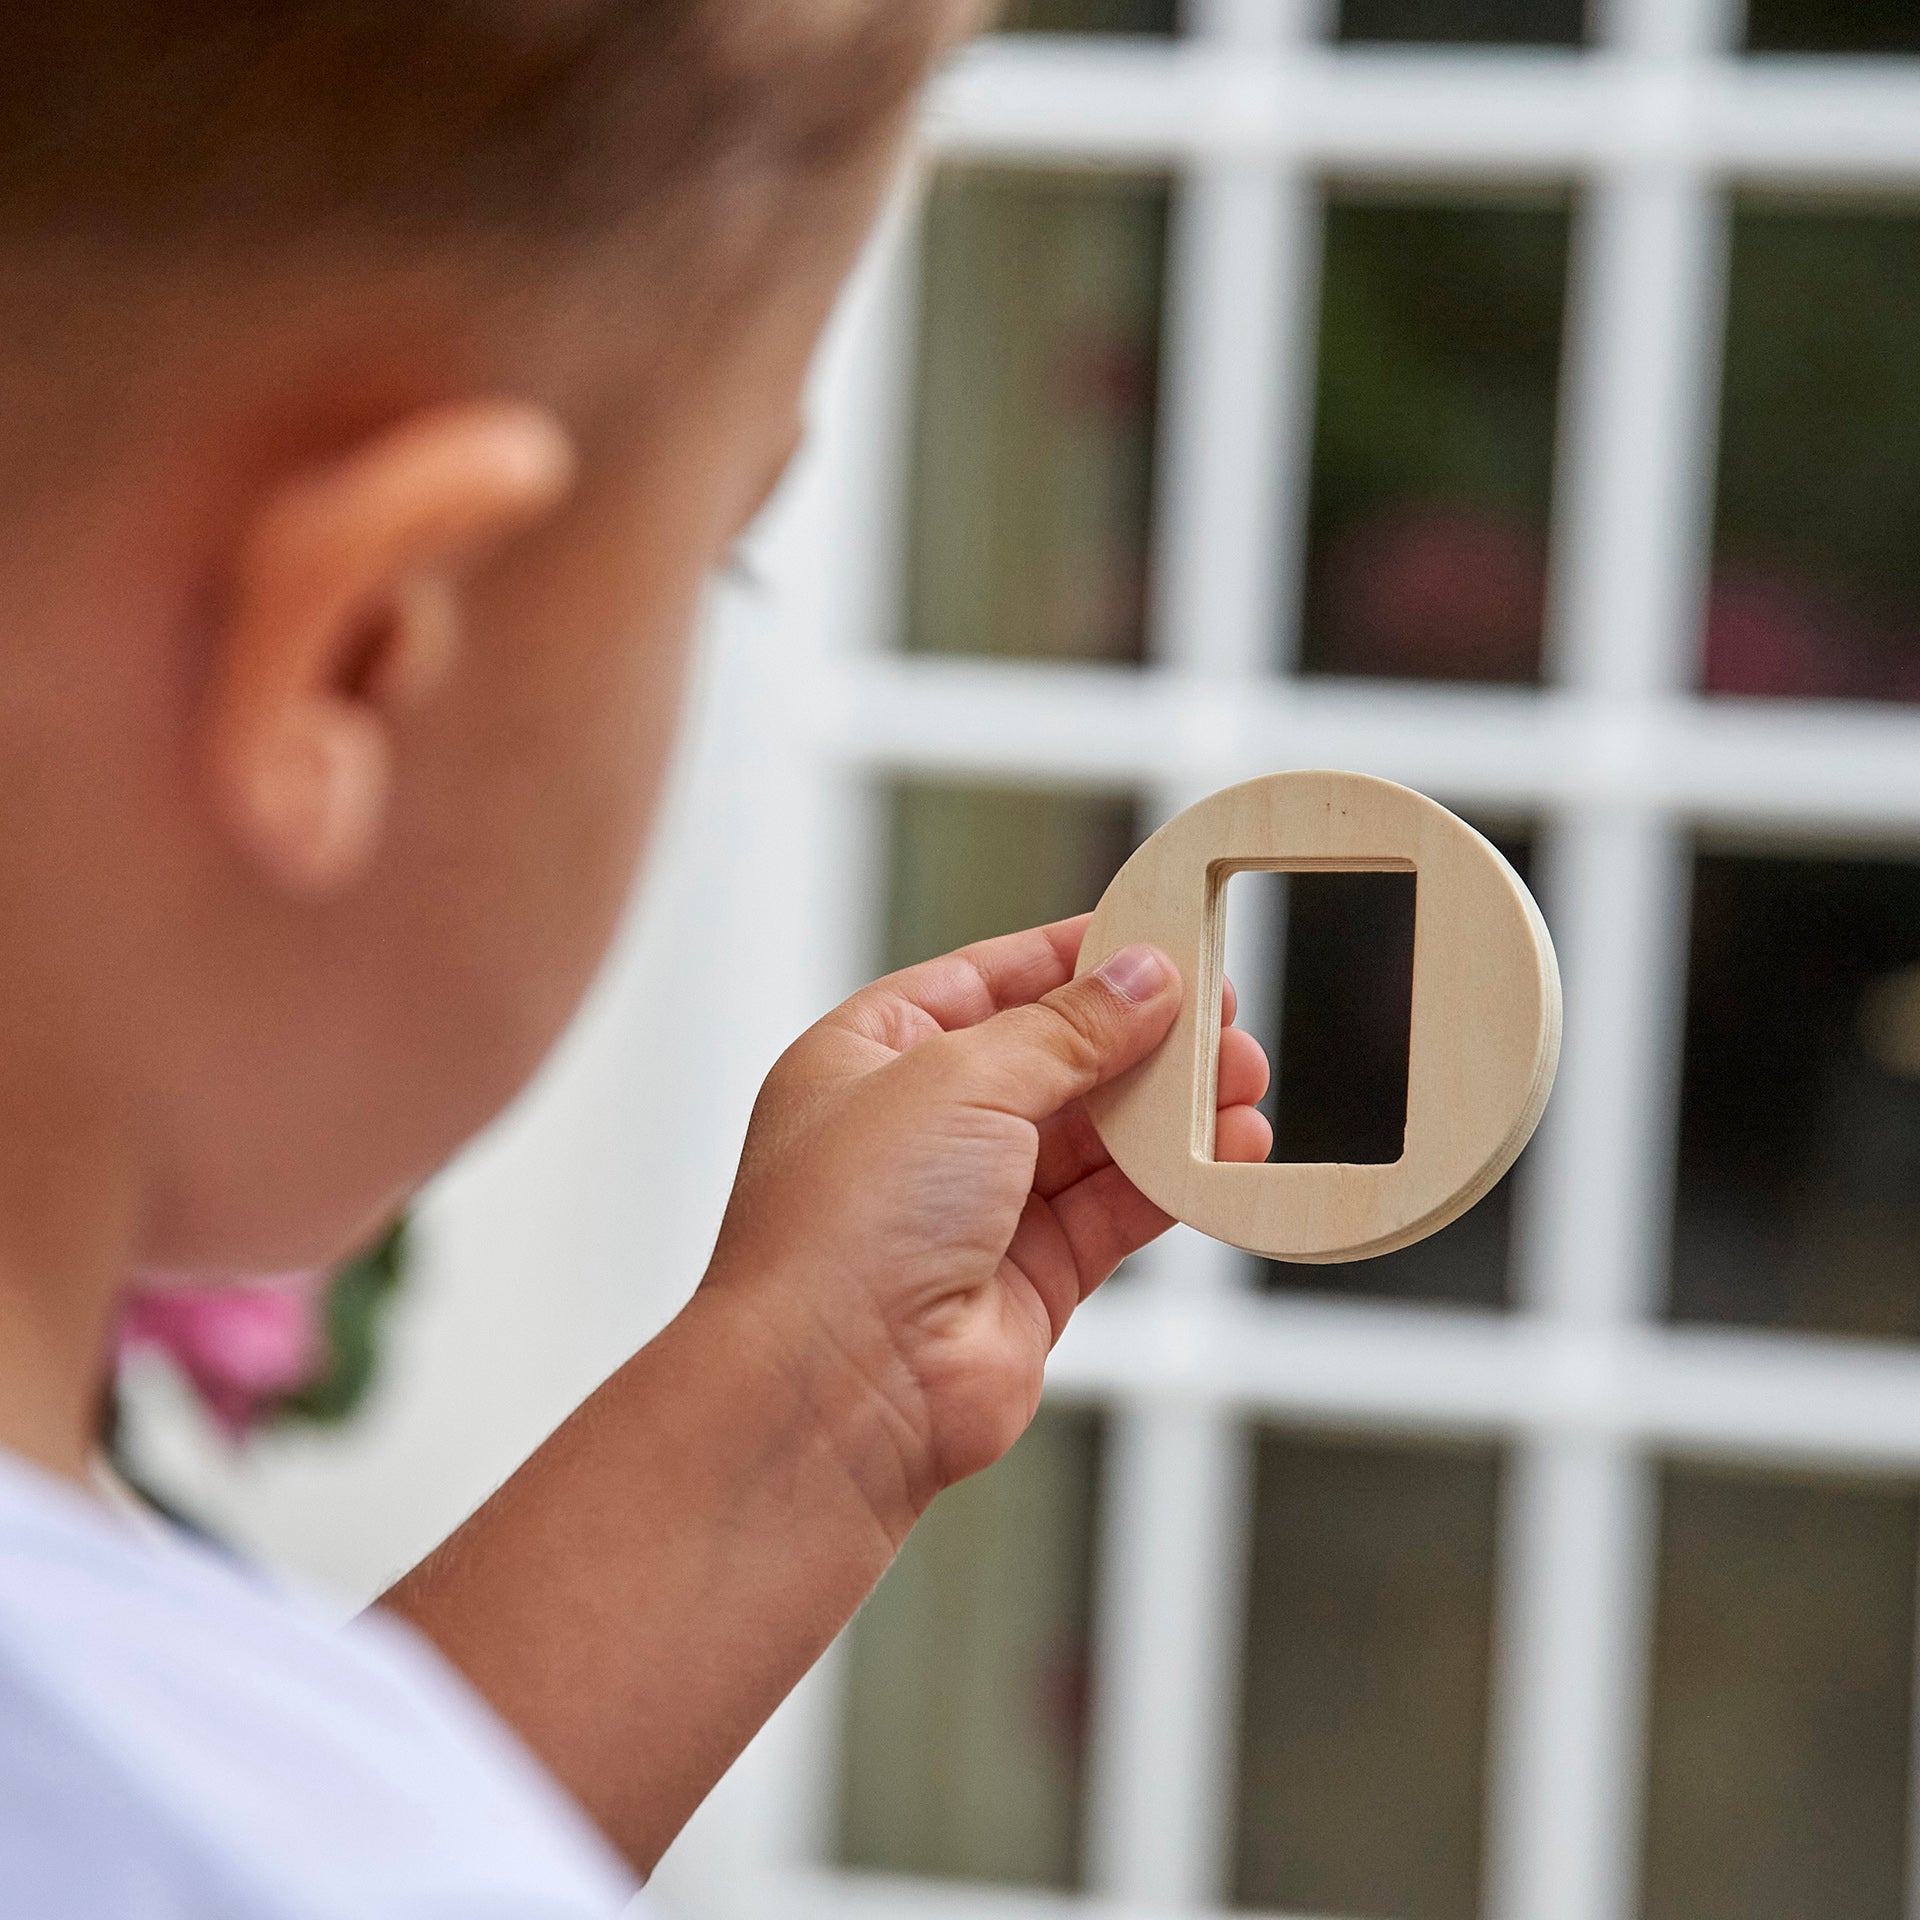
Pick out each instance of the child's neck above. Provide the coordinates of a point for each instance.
(67, 1228)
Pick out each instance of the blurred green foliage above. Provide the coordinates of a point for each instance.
(1819, 466)
(352, 1319)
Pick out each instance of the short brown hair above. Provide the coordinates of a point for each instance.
(270, 120)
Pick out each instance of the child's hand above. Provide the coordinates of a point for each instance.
(922, 1201)
(921, 1205)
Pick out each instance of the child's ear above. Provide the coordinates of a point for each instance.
(346, 610)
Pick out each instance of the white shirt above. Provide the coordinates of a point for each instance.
(180, 1740)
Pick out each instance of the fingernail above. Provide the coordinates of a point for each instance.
(1135, 973)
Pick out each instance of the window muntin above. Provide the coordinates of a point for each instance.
(1441, 318)
(1032, 479)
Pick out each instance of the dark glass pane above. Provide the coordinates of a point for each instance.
(1033, 467)
(1347, 1018)
(1339, 1088)
(1340, 1051)
(1369, 1636)
(1833, 26)
(1782, 1699)
(1814, 590)
(966, 1700)
(1087, 16)
(1528, 23)
(1799, 1189)
(1439, 359)
(969, 862)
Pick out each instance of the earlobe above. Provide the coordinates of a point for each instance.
(318, 796)
(346, 613)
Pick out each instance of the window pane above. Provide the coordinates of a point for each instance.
(1814, 591)
(1087, 16)
(1339, 1041)
(1363, 1736)
(1799, 1190)
(1782, 1676)
(966, 1701)
(1439, 360)
(1536, 23)
(1339, 1088)
(968, 862)
(1832, 26)
(1039, 352)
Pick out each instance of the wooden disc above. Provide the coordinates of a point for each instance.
(1485, 1031)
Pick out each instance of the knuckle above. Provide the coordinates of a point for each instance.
(1076, 1029)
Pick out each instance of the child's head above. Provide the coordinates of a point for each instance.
(383, 376)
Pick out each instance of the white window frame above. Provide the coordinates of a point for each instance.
(1618, 762)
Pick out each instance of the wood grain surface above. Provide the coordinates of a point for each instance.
(1485, 1030)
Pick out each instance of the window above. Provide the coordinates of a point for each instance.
(1496, 421)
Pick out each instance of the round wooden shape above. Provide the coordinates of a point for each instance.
(1486, 1016)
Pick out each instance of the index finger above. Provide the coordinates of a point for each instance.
(962, 989)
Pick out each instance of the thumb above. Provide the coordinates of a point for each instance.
(1032, 1060)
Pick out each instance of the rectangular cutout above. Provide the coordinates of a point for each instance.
(1336, 1013)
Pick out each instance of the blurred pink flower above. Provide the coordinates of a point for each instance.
(1438, 592)
(242, 1343)
(1771, 632)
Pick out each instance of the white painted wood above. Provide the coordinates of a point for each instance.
(1709, 1393)
(1232, 458)
(1569, 1692)
(1167, 1653)
(1443, 114)
(1785, 766)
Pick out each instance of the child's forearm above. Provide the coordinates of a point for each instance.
(646, 1589)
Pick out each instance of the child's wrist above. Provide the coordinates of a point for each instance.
(844, 1394)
